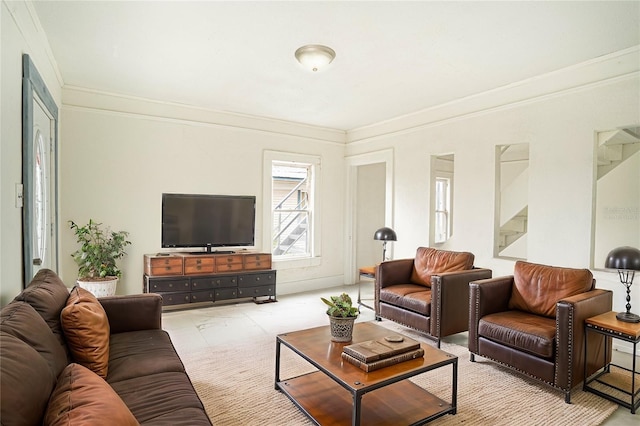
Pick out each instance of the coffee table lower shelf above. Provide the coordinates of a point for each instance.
(327, 403)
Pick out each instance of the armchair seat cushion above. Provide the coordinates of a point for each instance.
(527, 332)
(413, 297)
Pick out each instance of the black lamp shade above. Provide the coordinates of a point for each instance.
(385, 234)
(623, 258)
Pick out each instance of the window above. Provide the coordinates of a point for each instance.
(290, 209)
(443, 209)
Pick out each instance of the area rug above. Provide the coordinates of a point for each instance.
(236, 385)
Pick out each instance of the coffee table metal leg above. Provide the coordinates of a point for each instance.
(277, 364)
(355, 417)
(454, 388)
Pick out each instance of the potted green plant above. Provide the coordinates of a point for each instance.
(96, 258)
(342, 314)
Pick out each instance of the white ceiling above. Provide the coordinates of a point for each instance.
(393, 58)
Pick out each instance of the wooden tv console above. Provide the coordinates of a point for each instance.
(183, 278)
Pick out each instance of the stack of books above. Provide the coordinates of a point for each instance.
(375, 354)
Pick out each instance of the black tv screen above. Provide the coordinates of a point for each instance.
(192, 220)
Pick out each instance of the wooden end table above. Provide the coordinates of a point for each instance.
(609, 326)
(333, 395)
(367, 272)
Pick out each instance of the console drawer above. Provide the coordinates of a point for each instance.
(162, 265)
(199, 265)
(156, 286)
(169, 299)
(260, 279)
(226, 293)
(202, 296)
(264, 290)
(214, 282)
(257, 261)
(232, 262)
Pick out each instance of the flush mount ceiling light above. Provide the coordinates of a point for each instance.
(315, 56)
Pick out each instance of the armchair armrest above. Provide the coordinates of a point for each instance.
(133, 312)
(571, 313)
(486, 297)
(450, 300)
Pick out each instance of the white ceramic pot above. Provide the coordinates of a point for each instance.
(102, 288)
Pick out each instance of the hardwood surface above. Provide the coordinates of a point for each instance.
(609, 321)
(323, 395)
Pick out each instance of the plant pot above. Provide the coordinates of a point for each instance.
(341, 328)
(105, 287)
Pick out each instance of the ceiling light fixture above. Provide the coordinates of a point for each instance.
(315, 56)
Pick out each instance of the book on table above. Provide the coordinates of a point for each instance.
(384, 362)
(377, 349)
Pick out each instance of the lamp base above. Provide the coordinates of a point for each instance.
(628, 317)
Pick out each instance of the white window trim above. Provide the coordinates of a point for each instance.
(316, 237)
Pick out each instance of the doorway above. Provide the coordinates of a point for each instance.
(369, 206)
(39, 174)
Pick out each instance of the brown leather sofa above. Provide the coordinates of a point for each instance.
(533, 322)
(429, 293)
(68, 358)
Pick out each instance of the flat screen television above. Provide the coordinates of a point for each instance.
(193, 220)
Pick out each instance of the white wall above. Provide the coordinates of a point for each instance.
(116, 165)
(19, 33)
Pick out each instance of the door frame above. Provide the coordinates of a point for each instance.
(352, 163)
(33, 84)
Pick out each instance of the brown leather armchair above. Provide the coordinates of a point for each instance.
(429, 293)
(533, 322)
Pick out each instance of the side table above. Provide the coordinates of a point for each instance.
(367, 272)
(609, 326)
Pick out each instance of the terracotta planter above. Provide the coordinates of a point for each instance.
(102, 288)
(341, 328)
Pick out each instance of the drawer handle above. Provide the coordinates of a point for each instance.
(168, 268)
(199, 261)
(186, 284)
(198, 267)
(195, 285)
(233, 280)
(257, 278)
(218, 282)
(166, 262)
(170, 285)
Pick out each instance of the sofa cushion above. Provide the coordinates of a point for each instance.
(431, 261)
(141, 353)
(81, 397)
(527, 332)
(162, 399)
(414, 297)
(538, 288)
(86, 328)
(48, 296)
(22, 321)
(26, 381)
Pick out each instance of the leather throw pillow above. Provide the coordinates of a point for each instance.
(431, 261)
(82, 397)
(86, 328)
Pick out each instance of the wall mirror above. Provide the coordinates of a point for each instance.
(512, 201)
(616, 212)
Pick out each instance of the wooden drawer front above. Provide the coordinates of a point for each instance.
(163, 265)
(232, 262)
(214, 282)
(199, 265)
(202, 296)
(175, 298)
(226, 293)
(168, 285)
(257, 261)
(265, 290)
(252, 280)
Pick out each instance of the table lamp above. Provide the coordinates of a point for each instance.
(385, 234)
(627, 261)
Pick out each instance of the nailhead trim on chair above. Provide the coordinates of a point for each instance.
(438, 308)
(569, 348)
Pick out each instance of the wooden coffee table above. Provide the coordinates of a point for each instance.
(333, 395)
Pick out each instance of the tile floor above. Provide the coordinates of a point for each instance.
(200, 328)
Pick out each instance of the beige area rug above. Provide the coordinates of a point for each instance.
(236, 385)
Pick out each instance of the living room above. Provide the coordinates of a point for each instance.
(118, 151)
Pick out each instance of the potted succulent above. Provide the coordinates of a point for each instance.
(342, 314)
(99, 250)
